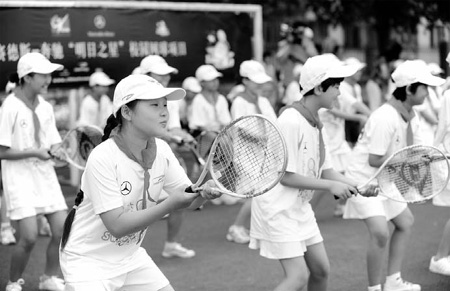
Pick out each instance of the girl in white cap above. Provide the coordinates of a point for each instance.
(28, 134)
(124, 176)
(283, 225)
(391, 127)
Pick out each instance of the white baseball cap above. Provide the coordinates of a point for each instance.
(352, 61)
(36, 63)
(191, 84)
(100, 79)
(157, 65)
(415, 71)
(255, 71)
(207, 73)
(142, 87)
(319, 68)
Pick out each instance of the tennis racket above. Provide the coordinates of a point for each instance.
(247, 158)
(413, 174)
(76, 146)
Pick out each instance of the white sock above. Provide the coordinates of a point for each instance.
(394, 277)
(374, 288)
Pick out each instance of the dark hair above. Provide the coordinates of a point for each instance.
(400, 93)
(114, 121)
(325, 85)
(69, 219)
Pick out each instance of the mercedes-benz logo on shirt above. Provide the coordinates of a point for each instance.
(125, 188)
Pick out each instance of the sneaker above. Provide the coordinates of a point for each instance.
(441, 266)
(15, 286)
(7, 235)
(401, 285)
(44, 227)
(338, 210)
(51, 283)
(177, 250)
(238, 234)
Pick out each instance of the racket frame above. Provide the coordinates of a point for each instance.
(389, 159)
(209, 162)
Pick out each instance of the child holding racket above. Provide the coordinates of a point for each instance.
(283, 226)
(28, 134)
(249, 102)
(124, 177)
(389, 128)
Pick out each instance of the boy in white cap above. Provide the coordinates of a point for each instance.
(209, 107)
(440, 262)
(247, 102)
(97, 106)
(283, 225)
(27, 141)
(119, 194)
(391, 127)
(156, 67)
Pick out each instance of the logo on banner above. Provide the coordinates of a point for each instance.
(218, 50)
(60, 26)
(162, 29)
(99, 21)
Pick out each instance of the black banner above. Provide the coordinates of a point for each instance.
(116, 40)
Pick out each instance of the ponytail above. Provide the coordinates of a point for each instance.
(111, 123)
(69, 219)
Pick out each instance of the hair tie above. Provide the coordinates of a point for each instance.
(75, 207)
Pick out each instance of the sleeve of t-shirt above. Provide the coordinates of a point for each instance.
(380, 132)
(238, 108)
(99, 182)
(175, 176)
(224, 113)
(7, 121)
(346, 101)
(289, 129)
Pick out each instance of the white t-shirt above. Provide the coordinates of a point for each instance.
(209, 116)
(292, 93)
(284, 214)
(112, 180)
(29, 182)
(241, 107)
(93, 112)
(429, 107)
(174, 115)
(384, 133)
(352, 90)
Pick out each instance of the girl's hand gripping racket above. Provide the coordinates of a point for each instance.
(413, 174)
(76, 146)
(247, 159)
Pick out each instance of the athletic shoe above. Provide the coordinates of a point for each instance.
(238, 234)
(177, 250)
(15, 286)
(441, 266)
(401, 285)
(51, 283)
(7, 235)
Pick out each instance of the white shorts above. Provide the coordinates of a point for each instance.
(144, 278)
(24, 212)
(283, 250)
(360, 207)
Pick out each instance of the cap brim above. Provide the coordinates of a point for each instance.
(260, 78)
(170, 93)
(342, 71)
(47, 69)
(165, 70)
(212, 77)
(431, 80)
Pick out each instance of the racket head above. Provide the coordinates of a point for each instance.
(248, 157)
(446, 143)
(414, 174)
(78, 143)
(204, 142)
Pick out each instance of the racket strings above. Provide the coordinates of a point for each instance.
(249, 157)
(412, 176)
